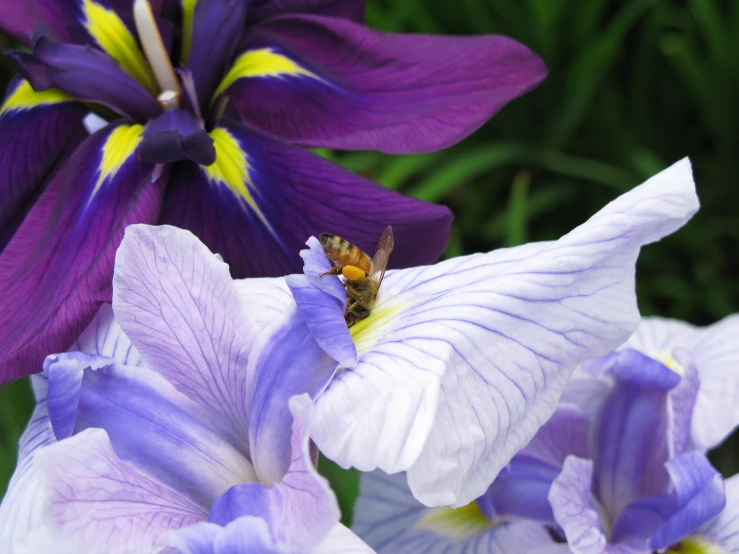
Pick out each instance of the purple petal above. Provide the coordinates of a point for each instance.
(21, 508)
(301, 509)
(21, 19)
(315, 264)
(277, 196)
(356, 88)
(723, 530)
(97, 502)
(573, 507)
(716, 357)
(662, 520)
(242, 536)
(521, 490)
(174, 136)
(324, 316)
(286, 362)
(177, 303)
(57, 269)
(36, 131)
(88, 75)
(216, 29)
(463, 361)
(391, 521)
(349, 9)
(631, 445)
(566, 433)
(172, 440)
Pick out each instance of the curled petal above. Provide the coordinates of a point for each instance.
(336, 83)
(97, 502)
(574, 509)
(276, 195)
(461, 362)
(177, 303)
(85, 74)
(244, 535)
(723, 530)
(57, 270)
(174, 136)
(391, 521)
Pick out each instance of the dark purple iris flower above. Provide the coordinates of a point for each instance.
(208, 102)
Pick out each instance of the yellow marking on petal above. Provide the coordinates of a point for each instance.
(673, 364)
(118, 148)
(456, 523)
(697, 544)
(25, 98)
(264, 62)
(188, 14)
(231, 169)
(367, 332)
(112, 35)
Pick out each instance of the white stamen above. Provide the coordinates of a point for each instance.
(169, 100)
(157, 55)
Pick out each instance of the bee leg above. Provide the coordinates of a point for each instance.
(332, 271)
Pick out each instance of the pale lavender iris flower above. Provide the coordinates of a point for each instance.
(461, 362)
(619, 469)
(139, 440)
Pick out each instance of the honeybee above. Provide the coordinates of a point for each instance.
(362, 274)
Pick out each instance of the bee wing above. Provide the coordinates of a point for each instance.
(382, 255)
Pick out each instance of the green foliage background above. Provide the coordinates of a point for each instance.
(633, 86)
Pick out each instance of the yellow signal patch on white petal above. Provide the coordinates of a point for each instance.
(118, 148)
(231, 169)
(263, 62)
(455, 523)
(25, 98)
(112, 35)
(367, 332)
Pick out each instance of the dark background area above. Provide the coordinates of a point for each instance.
(633, 87)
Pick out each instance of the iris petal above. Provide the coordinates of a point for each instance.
(278, 195)
(461, 362)
(97, 502)
(37, 129)
(377, 91)
(57, 269)
(349, 9)
(392, 521)
(177, 303)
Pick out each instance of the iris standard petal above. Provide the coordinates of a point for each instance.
(97, 502)
(661, 520)
(336, 83)
(177, 303)
(574, 509)
(172, 441)
(301, 509)
(715, 356)
(566, 433)
(286, 361)
(21, 508)
(37, 129)
(461, 362)
(632, 434)
(277, 195)
(217, 26)
(349, 9)
(85, 74)
(57, 269)
(391, 521)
